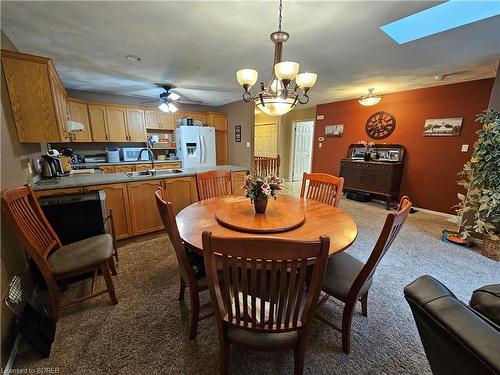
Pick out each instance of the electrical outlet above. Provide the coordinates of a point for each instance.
(248, 144)
(320, 117)
(465, 148)
(321, 139)
(320, 144)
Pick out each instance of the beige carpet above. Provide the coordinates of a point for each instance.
(147, 332)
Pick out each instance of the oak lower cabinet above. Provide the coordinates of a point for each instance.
(143, 211)
(237, 181)
(181, 192)
(117, 199)
(374, 177)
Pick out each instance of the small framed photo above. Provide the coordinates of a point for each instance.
(334, 130)
(237, 133)
(443, 127)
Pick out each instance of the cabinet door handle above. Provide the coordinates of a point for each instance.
(107, 137)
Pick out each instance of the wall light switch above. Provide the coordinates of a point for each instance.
(321, 139)
(320, 144)
(320, 117)
(248, 144)
(465, 148)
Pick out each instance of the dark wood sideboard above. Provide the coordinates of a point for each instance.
(375, 177)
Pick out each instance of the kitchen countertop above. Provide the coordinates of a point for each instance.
(94, 165)
(113, 178)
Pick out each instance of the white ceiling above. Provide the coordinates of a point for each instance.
(198, 46)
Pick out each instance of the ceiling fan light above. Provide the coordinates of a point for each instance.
(247, 77)
(306, 80)
(173, 96)
(163, 107)
(286, 70)
(172, 107)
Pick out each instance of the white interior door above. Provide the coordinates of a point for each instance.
(303, 134)
(266, 140)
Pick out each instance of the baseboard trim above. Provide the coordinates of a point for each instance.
(12, 356)
(449, 216)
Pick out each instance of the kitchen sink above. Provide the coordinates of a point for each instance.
(159, 172)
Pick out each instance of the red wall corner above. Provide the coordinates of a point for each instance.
(431, 163)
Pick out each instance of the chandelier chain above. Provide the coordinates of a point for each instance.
(280, 17)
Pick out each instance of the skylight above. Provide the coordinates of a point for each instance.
(442, 17)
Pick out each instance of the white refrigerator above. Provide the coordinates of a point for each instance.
(195, 146)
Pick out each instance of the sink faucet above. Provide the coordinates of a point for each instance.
(152, 156)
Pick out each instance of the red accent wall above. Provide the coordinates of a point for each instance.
(431, 163)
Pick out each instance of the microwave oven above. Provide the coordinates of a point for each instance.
(132, 153)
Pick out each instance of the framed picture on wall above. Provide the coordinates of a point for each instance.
(237, 133)
(443, 127)
(334, 130)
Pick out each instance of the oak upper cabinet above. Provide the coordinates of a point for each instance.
(37, 97)
(78, 111)
(136, 126)
(220, 147)
(202, 116)
(117, 199)
(218, 120)
(152, 118)
(167, 121)
(143, 211)
(124, 168)
(116, 119)
(98, 123)
(181, 192)
(107, 168)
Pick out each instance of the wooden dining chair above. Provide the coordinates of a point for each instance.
(57, 262)
(196, 282)
(322, 187)
(213, 184)
(263, 299)
(349, 280)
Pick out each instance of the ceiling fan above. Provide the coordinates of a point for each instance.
(169, 99)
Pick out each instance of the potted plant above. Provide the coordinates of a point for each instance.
(259, 189)
(479, 209)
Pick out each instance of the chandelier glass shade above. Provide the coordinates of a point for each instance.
(280, 95)
(370, 99)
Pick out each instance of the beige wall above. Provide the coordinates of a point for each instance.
(240, 113)
(14, 160)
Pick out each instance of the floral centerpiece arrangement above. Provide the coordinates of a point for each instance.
(479, 209)
(259, 189)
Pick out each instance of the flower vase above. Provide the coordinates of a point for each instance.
(260, 205)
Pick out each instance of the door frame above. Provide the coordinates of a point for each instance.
(292, 145)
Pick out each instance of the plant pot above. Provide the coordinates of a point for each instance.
(367, 156)
(491, 248)
(260, 205)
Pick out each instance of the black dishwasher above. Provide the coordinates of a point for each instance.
(76, 216)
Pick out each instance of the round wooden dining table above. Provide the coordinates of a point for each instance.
(233, 216)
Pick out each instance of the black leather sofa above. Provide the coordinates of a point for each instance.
(457, 340)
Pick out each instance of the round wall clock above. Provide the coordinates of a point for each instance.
(380, 125)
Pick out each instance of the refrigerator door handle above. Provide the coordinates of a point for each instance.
(200, 151)
(204, 149)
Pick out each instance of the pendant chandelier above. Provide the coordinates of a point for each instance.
(370, 99)
(277, 98)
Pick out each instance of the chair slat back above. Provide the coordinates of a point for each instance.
(213, 184)
(392, 226)
(166, 210)
(265, 166)
(263, 283)
(322, 187)
(30, 222)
